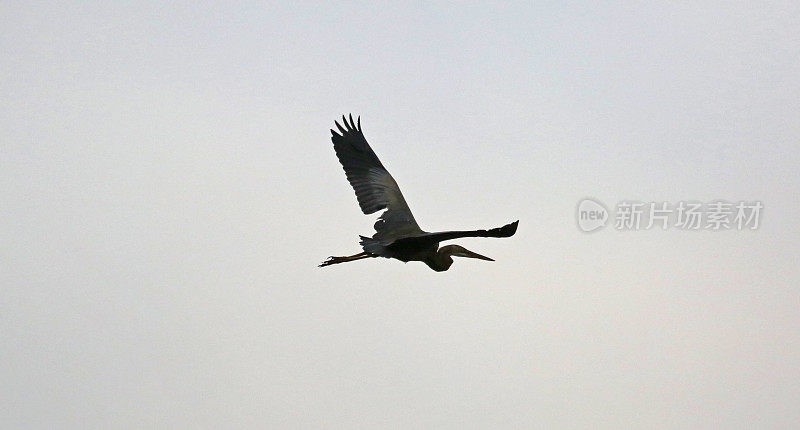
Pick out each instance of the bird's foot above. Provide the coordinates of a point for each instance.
(331, 260)
(337, 260)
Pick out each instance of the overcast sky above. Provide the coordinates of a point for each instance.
(168, 186)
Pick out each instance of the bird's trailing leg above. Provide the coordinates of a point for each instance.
(337, 260)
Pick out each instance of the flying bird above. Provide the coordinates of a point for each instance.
(397, 234)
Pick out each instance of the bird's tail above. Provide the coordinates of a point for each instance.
(372, 246)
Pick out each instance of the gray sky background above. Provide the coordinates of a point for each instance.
(168, 187)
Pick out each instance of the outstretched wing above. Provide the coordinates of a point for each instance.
(507, 230)
(374, 186)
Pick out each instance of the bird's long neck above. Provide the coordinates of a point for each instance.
(440, 261)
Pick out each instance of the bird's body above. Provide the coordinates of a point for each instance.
(397, 233)
(411, 252)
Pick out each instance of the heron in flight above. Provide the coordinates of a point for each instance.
(397, 234)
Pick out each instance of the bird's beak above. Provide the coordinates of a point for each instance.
(470, 254)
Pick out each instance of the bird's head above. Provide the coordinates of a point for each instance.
(445, 254)
(460, 251)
